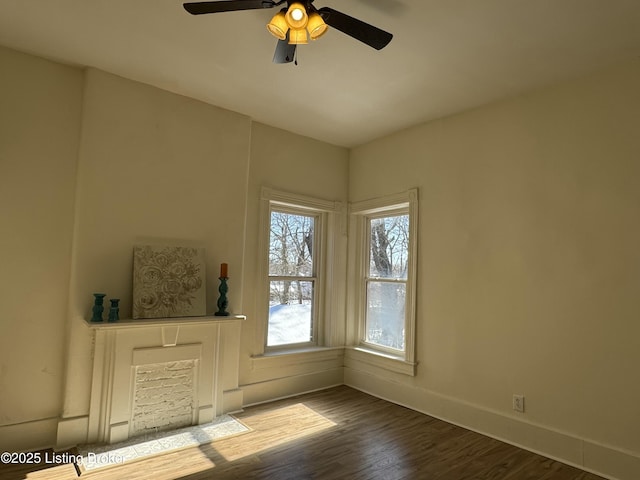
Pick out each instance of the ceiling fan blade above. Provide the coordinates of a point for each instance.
(372, 36)
(285, 53)
(199, 8)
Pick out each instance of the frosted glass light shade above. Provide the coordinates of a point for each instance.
(316, 26)
(278, 26)
(297, 16)
(298, 36)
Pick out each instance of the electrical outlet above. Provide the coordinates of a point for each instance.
(518, 403)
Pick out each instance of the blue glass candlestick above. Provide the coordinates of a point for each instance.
(97, 307)
(222, 300)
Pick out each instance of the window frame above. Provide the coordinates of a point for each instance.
(361, 214)
(326, 214)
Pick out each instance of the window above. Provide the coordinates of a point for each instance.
(383, 301)
(296, 247)
(292, 278)
(386, 281)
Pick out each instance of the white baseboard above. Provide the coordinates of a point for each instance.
(232, 400)
(28, 436)
(271, 390)
(587, 455)
(72, 431)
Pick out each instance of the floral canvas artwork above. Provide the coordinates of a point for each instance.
(168, 281)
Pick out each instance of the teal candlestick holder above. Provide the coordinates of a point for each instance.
(222, 300)
(98, 308)
(114, 311)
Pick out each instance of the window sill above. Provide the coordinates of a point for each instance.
(283, 358)
(380, 360)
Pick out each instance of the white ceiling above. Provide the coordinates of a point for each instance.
(446, 55)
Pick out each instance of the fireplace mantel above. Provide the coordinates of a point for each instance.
(210, 343)
(162, 322)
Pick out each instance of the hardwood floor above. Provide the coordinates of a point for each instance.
(333, 434)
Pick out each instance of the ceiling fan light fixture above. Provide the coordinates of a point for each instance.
(297, 22)
(278, 26)
(316, 26)
(298, 36)
(297, 15)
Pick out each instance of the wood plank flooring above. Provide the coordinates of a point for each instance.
(333, 434)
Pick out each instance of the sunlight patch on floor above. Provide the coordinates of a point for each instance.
(274, 428)
(94, 457)
(188, 451)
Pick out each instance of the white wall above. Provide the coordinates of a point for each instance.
(92, 164)
(528, 258)
(300, 165)
(40, 109)
(529, 267)
(154, 167)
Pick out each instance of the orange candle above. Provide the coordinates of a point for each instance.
(223, 270)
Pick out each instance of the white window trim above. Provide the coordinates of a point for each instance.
(328, 213)
(360, 212)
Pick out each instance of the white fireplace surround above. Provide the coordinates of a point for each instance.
(210, 344)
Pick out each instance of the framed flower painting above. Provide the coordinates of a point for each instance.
(168, 281)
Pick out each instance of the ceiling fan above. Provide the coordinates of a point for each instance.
(297, 22)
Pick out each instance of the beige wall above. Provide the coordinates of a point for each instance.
(529, 266)
(40, 109)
